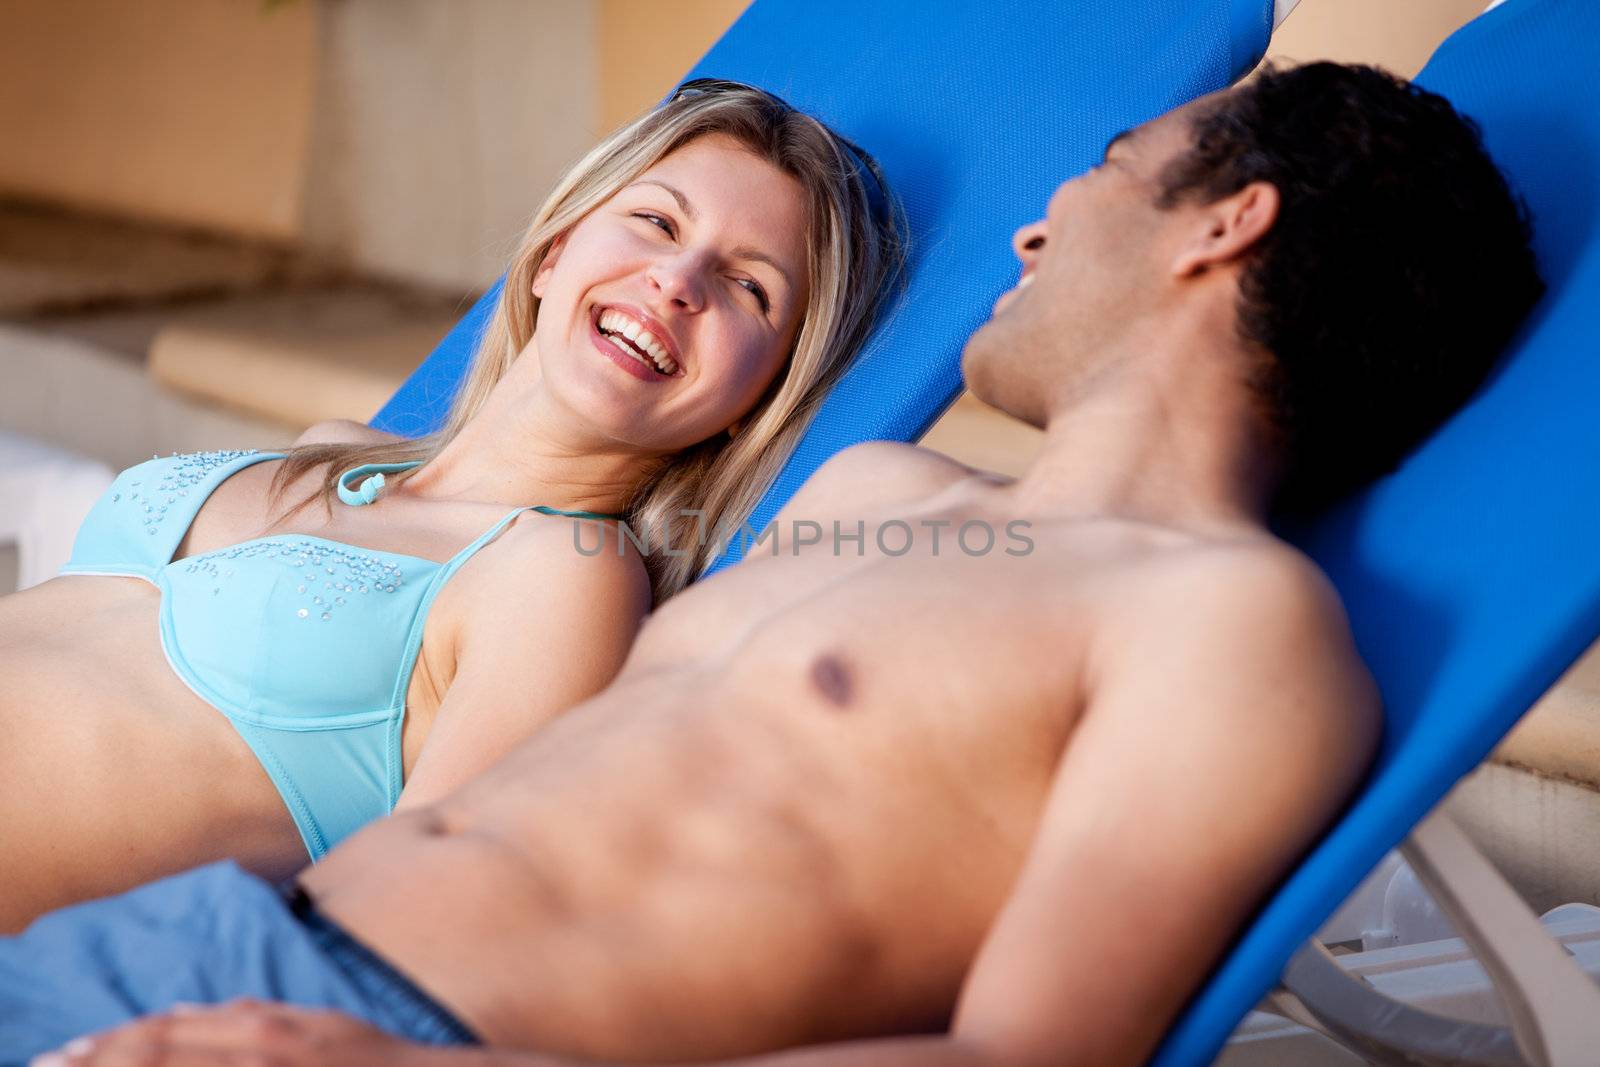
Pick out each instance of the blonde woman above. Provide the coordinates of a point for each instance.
(369, 621)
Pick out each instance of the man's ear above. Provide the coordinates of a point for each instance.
(1231, 226)
(541, 277)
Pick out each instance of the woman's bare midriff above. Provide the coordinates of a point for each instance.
(110, 767)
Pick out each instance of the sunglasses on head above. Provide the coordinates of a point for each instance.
(867, 169)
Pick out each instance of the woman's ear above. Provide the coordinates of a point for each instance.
(735, 428)
(541, 277)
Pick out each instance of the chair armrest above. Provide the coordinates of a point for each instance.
(1554, 1007)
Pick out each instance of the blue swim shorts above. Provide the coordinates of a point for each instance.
(203, 937)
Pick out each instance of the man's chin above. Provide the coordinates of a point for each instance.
(1007, 298)
(976, 356)
(993, 375)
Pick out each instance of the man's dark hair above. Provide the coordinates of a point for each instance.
(1397, 269)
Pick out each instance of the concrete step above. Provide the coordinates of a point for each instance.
(86, 399)
(302, 357)
(53, 260)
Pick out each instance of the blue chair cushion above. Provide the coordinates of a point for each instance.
(1472, 574)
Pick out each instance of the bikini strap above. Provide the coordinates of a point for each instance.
(505, 520)
(368, 491)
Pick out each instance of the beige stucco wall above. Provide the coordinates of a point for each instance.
(646, 45)
(441, 126)
(412, 137)
(1397, 34)
(194, 111)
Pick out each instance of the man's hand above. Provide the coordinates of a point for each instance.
(252, 1033)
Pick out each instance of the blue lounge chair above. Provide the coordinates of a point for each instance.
(1472, 579)
(1471, 574)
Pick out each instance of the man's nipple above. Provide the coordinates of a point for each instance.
(832, 678)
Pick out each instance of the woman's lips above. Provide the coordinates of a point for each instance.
(639, 317)
(634, 365)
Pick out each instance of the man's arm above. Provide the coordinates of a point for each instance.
(250, 1033)
(1228, 718)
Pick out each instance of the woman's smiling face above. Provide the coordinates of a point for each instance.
(667, 311)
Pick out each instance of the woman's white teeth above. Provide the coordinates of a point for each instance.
(615, 322)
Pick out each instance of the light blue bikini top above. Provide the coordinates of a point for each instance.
(307, 645)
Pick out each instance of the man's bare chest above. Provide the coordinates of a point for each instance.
(967, 646)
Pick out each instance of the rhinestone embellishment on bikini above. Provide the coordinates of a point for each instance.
(328, 574)
(189, 470)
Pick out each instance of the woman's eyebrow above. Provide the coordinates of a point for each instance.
(683, 201)
(745, 252)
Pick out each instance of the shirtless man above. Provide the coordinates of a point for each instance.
(937, 807)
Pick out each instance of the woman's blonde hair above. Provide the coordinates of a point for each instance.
(854, 248)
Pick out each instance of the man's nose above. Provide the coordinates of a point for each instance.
(678, 281)
(1028, 241)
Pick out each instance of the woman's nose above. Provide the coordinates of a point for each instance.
(1028, 241)
(678, 282)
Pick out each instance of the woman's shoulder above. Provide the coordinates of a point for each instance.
(553, 557)
(344, 432)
